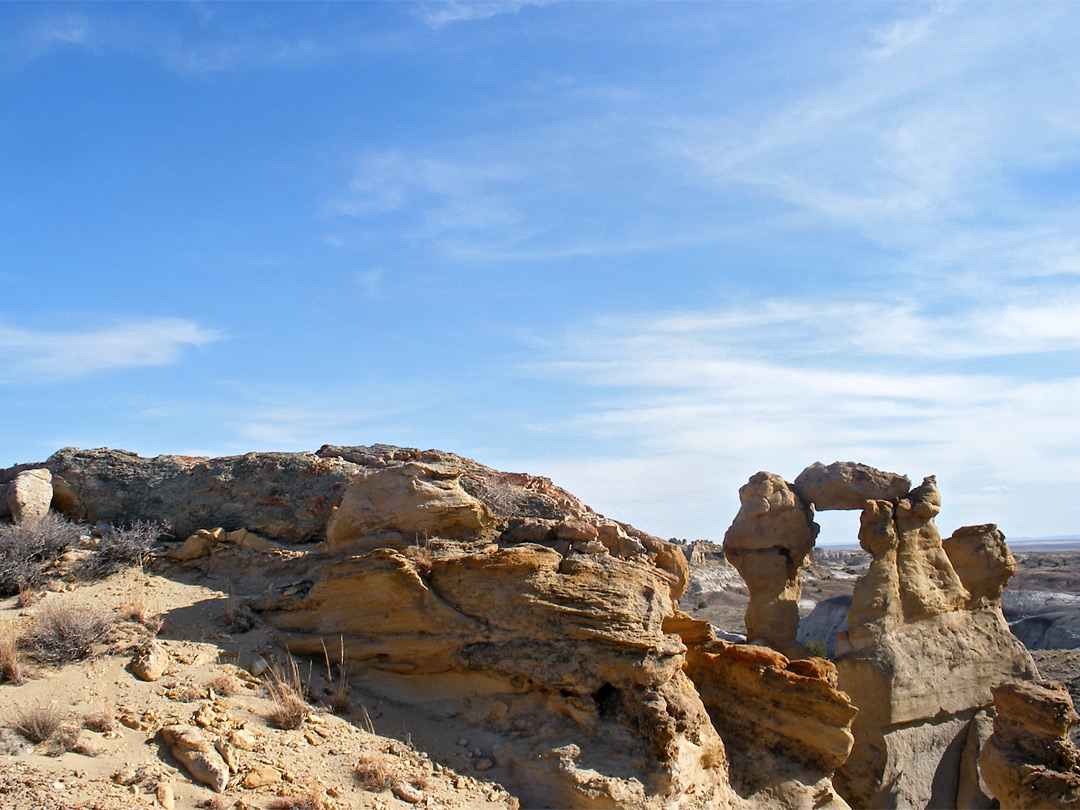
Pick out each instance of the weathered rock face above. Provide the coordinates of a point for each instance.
(920, 656)
(551, 647)
(1029, 761)
(848, 485)
(27, 496)
(982, 561)
(925, 642)
(768, 542)
(413, 499)
(279, 495)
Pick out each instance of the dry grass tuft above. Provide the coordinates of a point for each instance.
(11, 666)
(225, 684)
(215, 803)
(373, 774)
(28, 597)
(339, 702)
(64, 632)
(287, 691)
(137, 608)
(38, 723)
(313, 798)
(235, 615)
(102, 720)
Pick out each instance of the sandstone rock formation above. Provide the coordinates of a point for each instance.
(413, 499)
(848, 485)
(768, 542)
(779, 719)
(1029, 761)
(926, 639)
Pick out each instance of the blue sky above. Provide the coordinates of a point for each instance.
(646, 249)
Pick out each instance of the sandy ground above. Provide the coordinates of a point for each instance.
(314, 766)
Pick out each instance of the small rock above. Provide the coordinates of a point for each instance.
(484, 764)
(463, 742)
(407, 793)
(197, 755)
(150, 662)
(165, 795)
(261, 775)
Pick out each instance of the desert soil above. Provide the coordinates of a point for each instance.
(328, 762)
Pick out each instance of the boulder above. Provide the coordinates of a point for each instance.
(768, 543)
(27, 495)
(150, 662)
(197, 755)
(413, 499)
(1029, 761)
(848, 485)
(982, 561)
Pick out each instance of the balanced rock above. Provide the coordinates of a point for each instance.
(848, 485)
(1029, 761)
(197, 755)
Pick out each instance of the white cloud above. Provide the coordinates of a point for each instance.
(439, 14)
(28, 355)
(711, 397)
(72, 28)
(370, 282)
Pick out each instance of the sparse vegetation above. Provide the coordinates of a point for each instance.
(339, 702)
(63, 632)
(124, 548)
(287, 692)
(38, 723)
(818, 648)
(235, 615)
(102, 720)
(11, 666)
(28, 549)
(225, 684)
(372, 773)
(313, 798)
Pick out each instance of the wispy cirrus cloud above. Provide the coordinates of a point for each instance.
(37, 356)
(712, 396)
(439, 14)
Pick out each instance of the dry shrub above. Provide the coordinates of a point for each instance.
(38, 723)
(287, 691)
(102, 720)
(63, 632)
(28, 549)
(225, 684)
(137, 609)
(67, 739)
(124, 548)
(28, 597)
(235, 615)
(215, 803)
(11, 666)
(373, 773)
(339, 702)
(313, 798)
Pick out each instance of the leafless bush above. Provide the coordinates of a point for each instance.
(63, 632)
(11, 666)
(313, 798)
(287, 691)
(27, 549)
(102, 720)
(124, 547)
(38, 723)
(225, 684)
(236, 616)
(373, 774)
